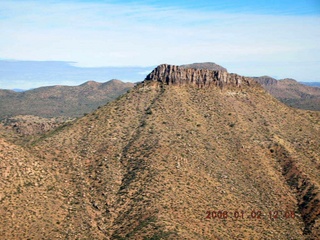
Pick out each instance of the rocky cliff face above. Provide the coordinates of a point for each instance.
(175, 75)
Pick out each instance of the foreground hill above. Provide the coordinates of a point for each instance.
(292, 93)
(57, 101)
(28, 202)
(161, 161)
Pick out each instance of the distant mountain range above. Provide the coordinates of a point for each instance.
(56, 101)
(74, 101)
(19, 90)
(292, 93)
(312, 84)
(33, 74)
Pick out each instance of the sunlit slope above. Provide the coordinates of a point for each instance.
(155, 161)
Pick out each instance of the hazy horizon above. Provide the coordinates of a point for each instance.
(26, 75)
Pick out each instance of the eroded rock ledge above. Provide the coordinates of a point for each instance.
(175, 75)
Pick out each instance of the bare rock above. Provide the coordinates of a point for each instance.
(176, 75)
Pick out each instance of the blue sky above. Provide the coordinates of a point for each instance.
(252, 38)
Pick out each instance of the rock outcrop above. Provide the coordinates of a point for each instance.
(175, 75)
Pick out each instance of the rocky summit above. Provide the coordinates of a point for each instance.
(200, 77)
(205, 65)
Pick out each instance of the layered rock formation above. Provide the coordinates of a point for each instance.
(175, 75)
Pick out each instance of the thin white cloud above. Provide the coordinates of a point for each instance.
(102, 34)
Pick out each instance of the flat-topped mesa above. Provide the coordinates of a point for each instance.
(175, 75)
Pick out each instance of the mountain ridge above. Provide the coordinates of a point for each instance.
(60, 100)
(292, 93)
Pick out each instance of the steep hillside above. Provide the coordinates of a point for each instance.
(292, 93)
(24, 129)
(66, 101)
(29, 203)
(26, 125)
(187, 154)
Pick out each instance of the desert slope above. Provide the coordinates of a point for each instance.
(157, 162)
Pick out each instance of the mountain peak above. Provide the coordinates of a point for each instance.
(205, 65)
(289, 80)
(90, 83)
(200, 77)
(113, 81)
(266, 80)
